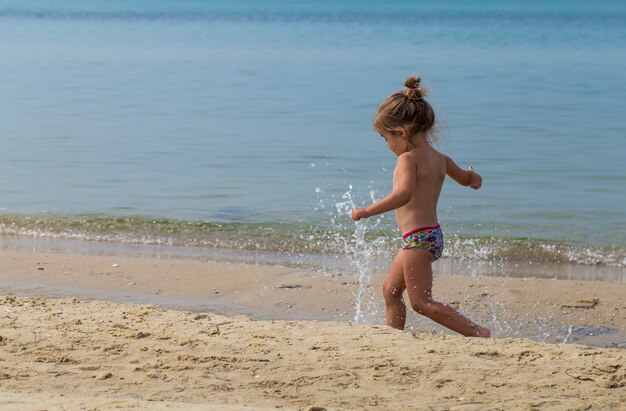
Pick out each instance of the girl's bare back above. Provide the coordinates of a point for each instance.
(430, 173)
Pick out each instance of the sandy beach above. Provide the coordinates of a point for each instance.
(111, 332)
(180, 178)
(76, 354)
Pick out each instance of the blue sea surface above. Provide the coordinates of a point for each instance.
(259, 112)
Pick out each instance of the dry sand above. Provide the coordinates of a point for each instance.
(68, 353)
(95, 354)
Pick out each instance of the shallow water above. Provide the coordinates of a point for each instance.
(247, 112)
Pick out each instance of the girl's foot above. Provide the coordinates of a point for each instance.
(483, 332)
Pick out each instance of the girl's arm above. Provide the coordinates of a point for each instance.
(464, 177)
(403, 186)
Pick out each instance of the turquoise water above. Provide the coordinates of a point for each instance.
(253, 118)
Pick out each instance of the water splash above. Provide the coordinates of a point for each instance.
(569, 333)
(360, 254)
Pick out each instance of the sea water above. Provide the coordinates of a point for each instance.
(240, 124)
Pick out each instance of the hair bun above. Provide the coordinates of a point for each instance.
(412, 82)
(414, 91)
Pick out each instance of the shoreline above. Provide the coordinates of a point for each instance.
(312, 245)
(333, 264)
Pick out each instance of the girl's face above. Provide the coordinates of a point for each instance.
(396, 142)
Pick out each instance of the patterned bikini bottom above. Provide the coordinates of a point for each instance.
(425, 238)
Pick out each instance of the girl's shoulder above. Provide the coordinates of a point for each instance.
(429, 153)
(407, 157)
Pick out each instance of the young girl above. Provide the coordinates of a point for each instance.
(405, 120)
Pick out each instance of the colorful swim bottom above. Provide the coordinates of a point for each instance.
(425, 238)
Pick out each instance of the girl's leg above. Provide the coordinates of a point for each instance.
(418, 277)
(392, 291)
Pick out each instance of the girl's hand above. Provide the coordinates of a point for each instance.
(476, 181)
(359, 213)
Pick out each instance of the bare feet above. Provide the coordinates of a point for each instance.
(483, 332)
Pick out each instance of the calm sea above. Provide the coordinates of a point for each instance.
(247, 124)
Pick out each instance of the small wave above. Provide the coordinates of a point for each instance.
(297, 238)
(535, 251)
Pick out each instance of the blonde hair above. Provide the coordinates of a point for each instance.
(406, 111)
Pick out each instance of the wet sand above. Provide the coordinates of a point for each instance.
(541, 309)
